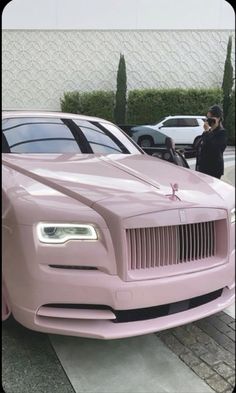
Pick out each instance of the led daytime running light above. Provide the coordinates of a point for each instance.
(61, 233)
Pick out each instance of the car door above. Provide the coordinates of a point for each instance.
(183, 130)
(170, 127)
(188, 129)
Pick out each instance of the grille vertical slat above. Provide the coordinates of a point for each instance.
(202, 241)
(143, 236)
(212, 234)
(187, 242)
(177, 246)
(194, 242)
(214, 238)
(154, 251)
(198, 241)
(139, 249)
(128, 237)
(182, 243)
(167, 236)
(190, 242)
(149, 248)
(133, 253)
(158, 249)
(165, 260)
(162, 249)
(205, 240)
(172, 245)
(209, 241)
(165, 246)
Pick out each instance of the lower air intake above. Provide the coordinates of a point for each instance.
(119, 316)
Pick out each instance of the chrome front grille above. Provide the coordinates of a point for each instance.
(170, 245)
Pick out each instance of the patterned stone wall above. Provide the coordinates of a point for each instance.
(38, 66)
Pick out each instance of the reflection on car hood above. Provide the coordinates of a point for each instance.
(137, 182)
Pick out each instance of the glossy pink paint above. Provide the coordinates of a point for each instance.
(114, 193)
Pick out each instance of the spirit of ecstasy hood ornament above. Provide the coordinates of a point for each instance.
(173, 197)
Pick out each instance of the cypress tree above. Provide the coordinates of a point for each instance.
(230, 120)
(227, 79)
(120, 99)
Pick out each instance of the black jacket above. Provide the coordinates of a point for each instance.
(210, 152)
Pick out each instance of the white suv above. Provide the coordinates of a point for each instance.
(184, 130)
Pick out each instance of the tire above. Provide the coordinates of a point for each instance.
(146, 141)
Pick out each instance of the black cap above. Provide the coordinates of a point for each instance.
(216, 111)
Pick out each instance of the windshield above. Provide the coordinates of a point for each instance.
(59, 135)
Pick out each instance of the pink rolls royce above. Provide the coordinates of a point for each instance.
(101, 240)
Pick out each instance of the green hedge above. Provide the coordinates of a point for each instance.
(150, 105)
(144, 106)
(70, 103)
(229, 122)
(97, 103)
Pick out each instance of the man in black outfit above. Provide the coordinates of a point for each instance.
(212, 145)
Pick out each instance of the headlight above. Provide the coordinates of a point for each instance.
(233, 215)
(60, 233)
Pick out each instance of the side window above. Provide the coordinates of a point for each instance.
(170, 123)
(38, 135)
(63, 135)
(98, 139)
(188, 122)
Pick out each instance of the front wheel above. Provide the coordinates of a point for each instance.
(146, 141)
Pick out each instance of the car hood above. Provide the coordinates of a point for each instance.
(128, 184)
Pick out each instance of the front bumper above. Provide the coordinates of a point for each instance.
(103, 329)
(97, 288)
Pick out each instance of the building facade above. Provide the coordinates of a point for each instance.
(40, 64)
